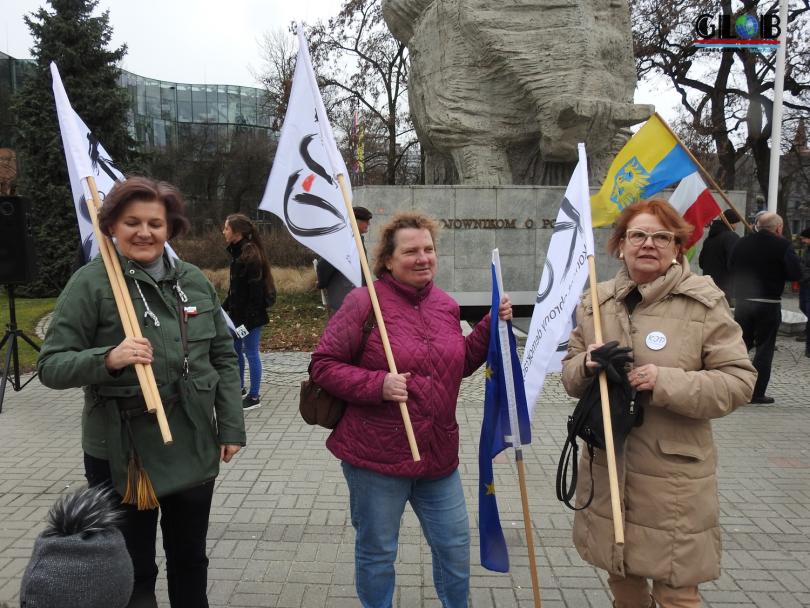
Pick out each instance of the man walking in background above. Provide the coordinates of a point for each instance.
(336, 285)
(804, 287)
(716, 252)
(761, 263)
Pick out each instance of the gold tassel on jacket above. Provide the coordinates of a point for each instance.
(140, 491)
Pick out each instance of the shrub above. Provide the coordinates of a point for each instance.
(287, 280)
(206, 248)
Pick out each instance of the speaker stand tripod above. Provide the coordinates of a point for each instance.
(12, 355)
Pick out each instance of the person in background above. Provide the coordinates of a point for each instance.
(187, 343)
(423, 325)
(804, 287)
(81, 558)
(251, 292)
(330, 278)
(716, 252)
(761, 263)
(690, 367)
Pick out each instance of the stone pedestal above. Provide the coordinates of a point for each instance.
(518, 220)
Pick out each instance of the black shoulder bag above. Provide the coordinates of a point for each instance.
(586, 421)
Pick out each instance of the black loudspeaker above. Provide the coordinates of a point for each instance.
(17, 263)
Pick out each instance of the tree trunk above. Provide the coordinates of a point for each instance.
(391, 167)
(726, 154)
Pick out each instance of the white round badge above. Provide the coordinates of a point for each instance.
(656, 340)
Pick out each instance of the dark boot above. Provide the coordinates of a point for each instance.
(143, 596)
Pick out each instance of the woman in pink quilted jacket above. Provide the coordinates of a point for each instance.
(432, 357)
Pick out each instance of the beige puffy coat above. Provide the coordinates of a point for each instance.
(667, 469)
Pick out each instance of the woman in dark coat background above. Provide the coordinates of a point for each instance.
(251, 291)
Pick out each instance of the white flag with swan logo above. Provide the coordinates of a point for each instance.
(564, 276)
(303, 189)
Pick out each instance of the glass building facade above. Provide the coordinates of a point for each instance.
(13, 73)
(162, 114)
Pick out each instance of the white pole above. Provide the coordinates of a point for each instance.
(776, 119)
(503, 338)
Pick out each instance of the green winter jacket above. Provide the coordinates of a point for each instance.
(203, 407)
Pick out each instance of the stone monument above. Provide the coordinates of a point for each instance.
(502, 92)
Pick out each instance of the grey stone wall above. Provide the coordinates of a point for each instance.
(518, 220)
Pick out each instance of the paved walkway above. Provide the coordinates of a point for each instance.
(280, 534)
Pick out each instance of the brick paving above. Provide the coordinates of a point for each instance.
(280, 534)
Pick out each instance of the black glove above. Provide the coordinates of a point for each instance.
(612, 358)
(624, 412)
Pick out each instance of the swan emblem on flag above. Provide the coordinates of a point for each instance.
(304, 195)
(629, 183)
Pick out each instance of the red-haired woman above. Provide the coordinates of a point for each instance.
(690, 366)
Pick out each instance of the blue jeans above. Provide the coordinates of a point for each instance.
(249, 347)
(377, 502)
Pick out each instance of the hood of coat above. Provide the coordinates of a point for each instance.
(677, 280)
(717, 227)
(235, 249)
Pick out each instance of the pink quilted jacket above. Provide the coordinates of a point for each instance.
(423, 328)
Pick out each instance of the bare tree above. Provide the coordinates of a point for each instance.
(362, 68)
(279, 53)
(726, 96)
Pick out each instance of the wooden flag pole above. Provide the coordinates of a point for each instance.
(706, 175)
(126, 311)
(527, 525)
(155, 403)
(610, 450)
(389, 355)
(514, 424)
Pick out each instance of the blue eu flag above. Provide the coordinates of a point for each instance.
(500, 389)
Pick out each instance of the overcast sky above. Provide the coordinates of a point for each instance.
(209, 41)
(195, 41)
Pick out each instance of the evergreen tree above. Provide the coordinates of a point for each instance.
(78, 42)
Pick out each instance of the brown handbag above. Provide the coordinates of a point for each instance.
(320, 407)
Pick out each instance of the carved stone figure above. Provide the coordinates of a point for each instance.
(502, 91)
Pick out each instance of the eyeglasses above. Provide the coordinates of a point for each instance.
(661, 239)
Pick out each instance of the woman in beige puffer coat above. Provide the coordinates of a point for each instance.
(690, 366)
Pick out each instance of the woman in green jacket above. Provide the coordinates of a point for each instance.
(186, 341)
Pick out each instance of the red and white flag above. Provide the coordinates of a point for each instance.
(303, 189)
(695, 202)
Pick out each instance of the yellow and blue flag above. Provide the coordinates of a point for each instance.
(649, 162)
(504, 407)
